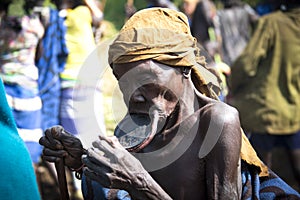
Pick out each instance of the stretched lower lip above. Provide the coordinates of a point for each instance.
(131, 122)
(136, 131)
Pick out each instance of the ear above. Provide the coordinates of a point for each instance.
(186, 72)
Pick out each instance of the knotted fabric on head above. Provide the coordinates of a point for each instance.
(163, 35)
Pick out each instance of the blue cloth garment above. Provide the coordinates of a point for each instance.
(18, 180)
(50, 64)
(264, 188)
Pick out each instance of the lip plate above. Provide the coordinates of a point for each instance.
(133, 130)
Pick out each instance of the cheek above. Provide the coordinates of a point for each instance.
(170, 107)
(166, 101)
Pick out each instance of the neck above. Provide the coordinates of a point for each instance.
(186, 106)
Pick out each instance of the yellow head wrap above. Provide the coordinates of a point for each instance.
(162, 35)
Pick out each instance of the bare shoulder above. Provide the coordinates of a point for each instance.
(217, 110)
(220, 127)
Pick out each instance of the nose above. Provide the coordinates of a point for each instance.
(137, 97)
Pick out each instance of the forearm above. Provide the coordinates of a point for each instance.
(96, 12)
(146, 188)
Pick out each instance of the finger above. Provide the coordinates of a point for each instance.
(107, 139)
(96, 158)
(49, 133)
(116, 143)
(55, 153)
(117, 182)
(46, 143)
(50, 158)
(104, 147)
(95, 166)
(100, 178)
(57, 132)
(112, 140)
(100, 170)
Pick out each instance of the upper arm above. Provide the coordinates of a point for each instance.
(222, 161)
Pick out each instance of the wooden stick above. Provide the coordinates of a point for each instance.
(62, 180)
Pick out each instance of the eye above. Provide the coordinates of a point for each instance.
(169, 96)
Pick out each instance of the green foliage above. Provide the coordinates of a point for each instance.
(16, 8)
(115, 11)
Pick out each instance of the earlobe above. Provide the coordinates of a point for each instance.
(186, 72)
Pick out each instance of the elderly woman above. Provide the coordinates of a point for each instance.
(186, 143)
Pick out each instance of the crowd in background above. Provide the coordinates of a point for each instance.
(255, 52)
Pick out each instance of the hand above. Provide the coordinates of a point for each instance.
(110, 164)
(59, 144)
(113, 166)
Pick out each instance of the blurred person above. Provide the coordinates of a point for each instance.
(18, 180)
(264, 85)
(19, 39)
(188, 8)
(99, 26)
(236, 22)
(265, 7)
(162, 4)
(202, 16)
(171, 99)
(50, 59)
(130, 8)
(204, 25)
(79, 18)
(80, 41)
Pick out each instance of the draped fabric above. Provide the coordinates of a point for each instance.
(18, 180)
(264, 188)
(50, 64)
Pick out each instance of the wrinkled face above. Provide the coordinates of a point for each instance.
(148, 86)
(151, 91)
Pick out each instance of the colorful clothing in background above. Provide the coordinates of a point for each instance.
(80, 43)
(50, 64)
(18, 180)
(18, 41)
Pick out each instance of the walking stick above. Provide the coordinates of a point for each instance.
(62, 180)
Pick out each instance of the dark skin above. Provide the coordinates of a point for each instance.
(147, 87)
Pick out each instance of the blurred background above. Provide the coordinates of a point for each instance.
(114, 12)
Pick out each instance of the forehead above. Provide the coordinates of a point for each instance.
(142, 67)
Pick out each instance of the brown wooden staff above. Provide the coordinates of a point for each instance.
(62, 180)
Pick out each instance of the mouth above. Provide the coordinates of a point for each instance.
(136, 131)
